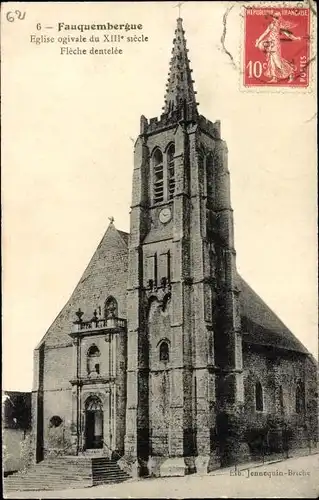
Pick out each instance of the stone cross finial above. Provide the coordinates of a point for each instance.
(179, 5)
(111, 219)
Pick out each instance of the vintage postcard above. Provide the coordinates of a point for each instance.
(159, 173)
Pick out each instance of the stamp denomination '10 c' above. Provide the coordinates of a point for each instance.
(277, 47)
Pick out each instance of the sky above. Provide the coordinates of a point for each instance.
(68, 129)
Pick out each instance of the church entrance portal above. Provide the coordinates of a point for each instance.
(93, 424)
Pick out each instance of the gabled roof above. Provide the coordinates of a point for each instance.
(261, 324)
(125, 236)
(99, 280)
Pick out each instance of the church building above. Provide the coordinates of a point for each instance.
(163, 358)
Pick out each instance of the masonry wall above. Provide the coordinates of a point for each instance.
(106, 275)
(278, 373)
(160, 380)
(57, 403)
(16, 449)
(311, 377)
(121, 391)
(58, 371)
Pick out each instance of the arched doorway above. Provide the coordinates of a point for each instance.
(93, 423)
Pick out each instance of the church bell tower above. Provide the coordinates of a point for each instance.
(184, 334)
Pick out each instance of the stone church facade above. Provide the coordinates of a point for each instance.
(163, 355)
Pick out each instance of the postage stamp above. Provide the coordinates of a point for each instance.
(276, 47)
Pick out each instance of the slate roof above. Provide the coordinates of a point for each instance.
(261, 324)
(124, 236)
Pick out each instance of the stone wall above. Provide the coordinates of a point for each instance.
(17, 450)
(160, 374)
(106, 275)
(279, 373)
(57, 404)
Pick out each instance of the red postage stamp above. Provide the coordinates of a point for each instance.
(277, 47)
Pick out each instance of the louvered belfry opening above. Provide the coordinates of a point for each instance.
(171, 171)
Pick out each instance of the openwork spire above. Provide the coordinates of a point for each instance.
(180, 90)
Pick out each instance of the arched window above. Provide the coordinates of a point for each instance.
(170, 172)
(93, 361)
(93, 403)
(111, 309)
(259, 398)
(164, 352)
(158, 176)
(300, 397)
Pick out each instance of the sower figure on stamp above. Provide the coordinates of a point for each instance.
(270, 43)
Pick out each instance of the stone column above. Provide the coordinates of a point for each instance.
(75, 399)
(107, 420)
(202, 420)
(34, 404)
(130, 444)
(121, 391)
(228, 345)
(40, 444)
(137, 388)
(108, 356)
(74, 421)
(201, 303)
(175, 464)
(82, 430)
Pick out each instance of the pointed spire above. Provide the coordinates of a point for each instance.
(179, 89)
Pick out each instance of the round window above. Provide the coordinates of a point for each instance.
(55, 421)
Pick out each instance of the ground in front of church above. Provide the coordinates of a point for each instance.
(292, 478)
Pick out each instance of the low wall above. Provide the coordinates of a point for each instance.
(16, 449)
